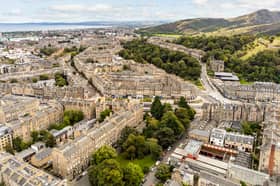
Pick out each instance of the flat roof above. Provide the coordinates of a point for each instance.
(225, 74)
(200, 132)
(193, 147)
(232, 78)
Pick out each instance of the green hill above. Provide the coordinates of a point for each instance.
(262, 21)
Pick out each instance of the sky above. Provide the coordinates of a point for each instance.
(18, 11)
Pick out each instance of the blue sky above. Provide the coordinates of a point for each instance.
(124, 10)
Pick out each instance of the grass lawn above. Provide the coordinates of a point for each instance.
(197, 83)
(260, 45)
(147, 161)
(244, 82)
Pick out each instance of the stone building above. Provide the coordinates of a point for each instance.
(46, 92)
(25, 114)
(235, 112)
(6, 137)
(269, 161)
(87, 106)
(217, 65)
(239, 142)
(72, 158)
(200, 135)
(217, 137)
(15, 172)
(138, 79)
(249, 176)
(259, 91)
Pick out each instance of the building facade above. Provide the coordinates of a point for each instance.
(72, 158)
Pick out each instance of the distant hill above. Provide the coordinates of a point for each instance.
(262, 21)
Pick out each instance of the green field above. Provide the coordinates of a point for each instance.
(175, 36)
(147, 161)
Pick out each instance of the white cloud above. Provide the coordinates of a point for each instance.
(200, 2)
(81, 8)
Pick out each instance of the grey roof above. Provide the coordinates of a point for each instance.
(193, 147)
(25, 153)
(200, 132)
(43, 154)
(225, 74)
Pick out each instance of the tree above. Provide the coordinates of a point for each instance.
(165, 137)
(103, 153)
(125, 133)
(60, 80)
(170, 120)
(9, 149)
(50, 141)
(107, 173)
(183, 103)
(151, 126)
(18, 144)
(133, 175)
(73, 116)
(163, 172)
(35, 136)
(105, 113)
(135, 146)
(157, 108)
(183, 115)
(154, 148)
(166, 108)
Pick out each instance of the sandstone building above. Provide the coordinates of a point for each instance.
(72, 158)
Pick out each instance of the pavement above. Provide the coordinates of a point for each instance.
(83, 181)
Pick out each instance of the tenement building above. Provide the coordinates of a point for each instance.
(127, 78)
(25, 114)
(239, 142)
(235, 112)
(259, 91)
(46, 91)
(15, 172)
(6, 137)
(72, 158)
(270, 150)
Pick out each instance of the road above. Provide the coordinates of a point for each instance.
(210, 93)
(81, 182)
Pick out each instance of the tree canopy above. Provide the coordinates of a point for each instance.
(163, 172)
(263, 66)
(106, 170)
(103, 153)
(173, 62)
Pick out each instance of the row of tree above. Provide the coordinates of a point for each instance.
(229, 44)
(173, 62)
